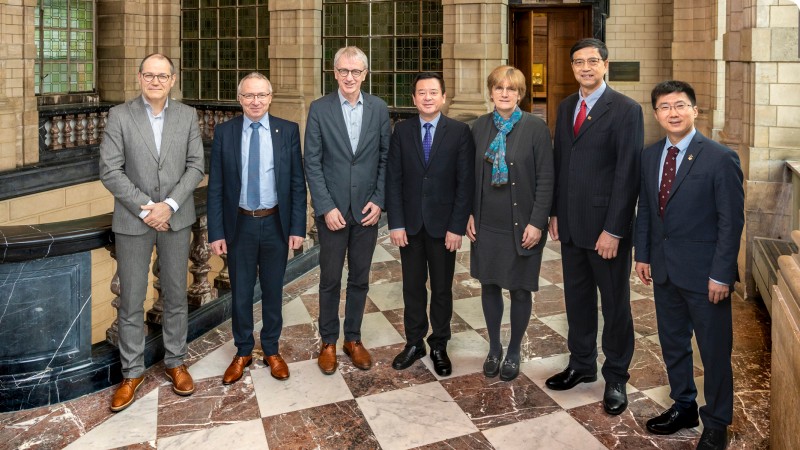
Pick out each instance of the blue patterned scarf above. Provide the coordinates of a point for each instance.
(497, 149)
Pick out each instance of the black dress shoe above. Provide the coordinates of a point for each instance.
(713, 439)
(407, 357)
(509, 370)
(441, 363)
(491, 366)
(672, 420)
(568, 379)
(615, 399)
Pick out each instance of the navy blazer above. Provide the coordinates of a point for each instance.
(438, 195)
(699, 235)
(597, 171)
(225, 178)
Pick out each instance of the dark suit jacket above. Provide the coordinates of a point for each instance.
(135, 172)
(597, 172)
(699, 236)
(225, 178)
(336, 177)
(529, 155)
(437, 196)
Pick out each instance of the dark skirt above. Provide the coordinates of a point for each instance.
(494, 260)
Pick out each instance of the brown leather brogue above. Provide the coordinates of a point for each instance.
(236, 369)
(358, 354)
(277, 366)
(327, 358)
(125, 393)
(182, 383)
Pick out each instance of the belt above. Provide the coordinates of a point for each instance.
(259, 212)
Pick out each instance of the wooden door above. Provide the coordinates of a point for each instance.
(564, 28)
(523, 50)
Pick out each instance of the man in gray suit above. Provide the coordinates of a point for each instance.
(151, 160)
(346, 148)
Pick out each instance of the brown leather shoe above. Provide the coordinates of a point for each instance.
(126, 393)
(236, 369)
(327, 358)
(358, 354)
(277, 366)
(182, 383)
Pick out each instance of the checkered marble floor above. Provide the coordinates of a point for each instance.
(414, 408)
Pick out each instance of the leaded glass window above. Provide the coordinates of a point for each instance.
(400, 38)
(221, 42)
(65, 57)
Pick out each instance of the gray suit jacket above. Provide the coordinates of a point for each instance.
(336, 177)
(134, 172)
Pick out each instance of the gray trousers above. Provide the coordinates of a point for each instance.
(133, 264)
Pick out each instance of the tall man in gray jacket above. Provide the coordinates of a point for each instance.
(151, 160)
(346, 148)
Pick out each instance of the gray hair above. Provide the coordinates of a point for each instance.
(256, 75)
(351, 52)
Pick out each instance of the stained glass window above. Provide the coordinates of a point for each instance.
(400, 38)
(65, 56)
(222, 41)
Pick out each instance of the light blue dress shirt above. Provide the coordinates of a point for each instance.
(353, 116)
(590, 100)
(267, 190)
(157, 124)
(434, 122)
(682, 146)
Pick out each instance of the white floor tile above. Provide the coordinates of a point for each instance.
(471, 311)
(215, 363)
(380, 255)
(549, 255)
(558, 322)
(249, 435)
(387, 296)
(553, 431)
(414, 416)
(139, 422)
(306, 387)
(295, 313)
(466, 351)
(376, 331)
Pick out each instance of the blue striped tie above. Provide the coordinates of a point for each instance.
(426, 142)
(253, 175)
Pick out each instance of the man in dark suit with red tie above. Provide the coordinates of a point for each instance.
(256, 213)
(691, 215)
(598, 140)
(430, 181)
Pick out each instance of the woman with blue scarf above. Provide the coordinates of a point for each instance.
(514, 190)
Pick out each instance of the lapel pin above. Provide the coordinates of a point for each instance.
(588, 117)
(691, 157)
(277, 130)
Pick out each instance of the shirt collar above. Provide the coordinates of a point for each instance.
(149, 107)
(684, 143)
(264, 122)
(343, 100)
(433, 122)
(591, 99)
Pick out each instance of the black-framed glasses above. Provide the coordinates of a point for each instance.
(162, 77)
(592, 62)
(261, 96)
(355, 72)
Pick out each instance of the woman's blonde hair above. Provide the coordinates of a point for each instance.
(511, 74)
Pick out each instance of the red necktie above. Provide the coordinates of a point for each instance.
(581, 117)
(667, 178)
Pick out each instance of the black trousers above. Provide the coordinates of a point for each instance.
(358, 243)
(678, 313)
(422, 256)
(585, 272)
(258, 248)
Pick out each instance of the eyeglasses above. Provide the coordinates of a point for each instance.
(162, 77)
(593, 62)
(250, 97)
(355, 72)
(500, 89)
(679, 107)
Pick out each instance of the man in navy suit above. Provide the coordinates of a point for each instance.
(691, 215)
(598, 140)
(430, 181)
(256, 212)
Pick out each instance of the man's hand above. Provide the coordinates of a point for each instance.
(372, 214)
(531, 237)
(452, 241)
(399, 237)
(717, 292)
(295, 242)
(159, 216)
(219, 247)
(606, 245)
(552, 228)
(334, 220)
(643, 270)
(471, 234)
